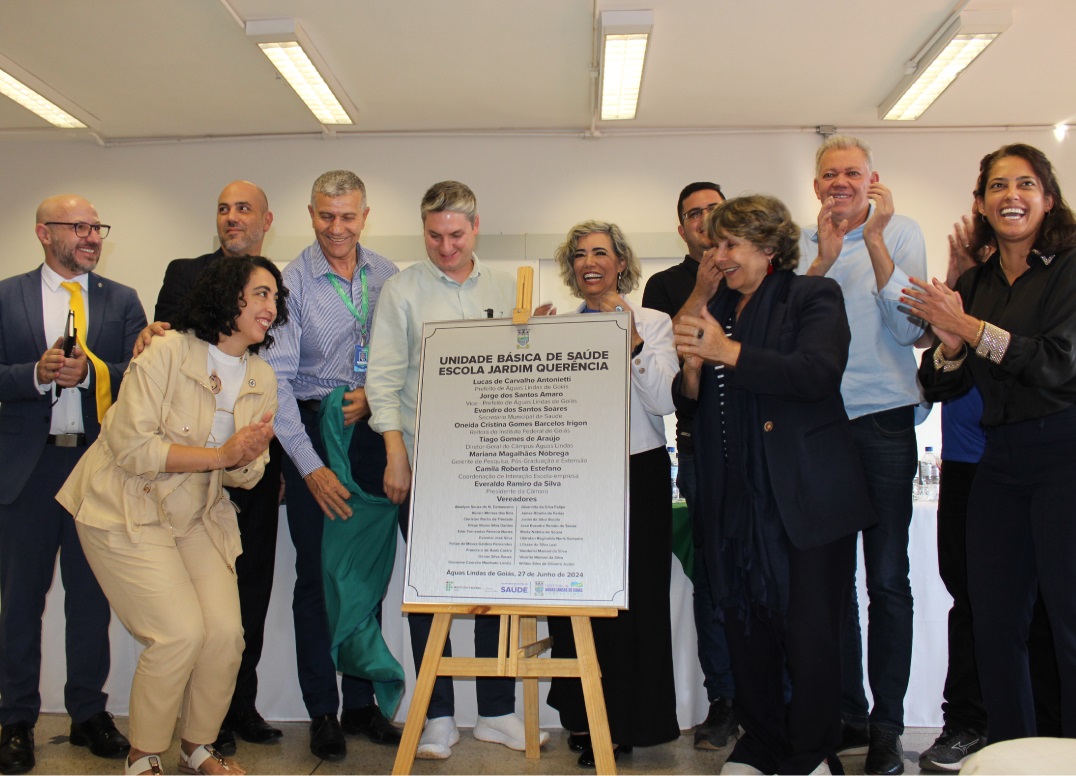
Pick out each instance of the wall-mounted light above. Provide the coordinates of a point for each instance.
(291, 52)
(30, 93)
(944, 57)
(625, 37)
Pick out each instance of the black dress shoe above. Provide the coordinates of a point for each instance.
(251, 727)
(100, 734)
(225, 743)
(587, 760)
(579, 742)
(327, 739)
(16, 748)
(370, 722)
(885, 755)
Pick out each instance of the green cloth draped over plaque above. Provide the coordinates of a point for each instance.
(357, 556)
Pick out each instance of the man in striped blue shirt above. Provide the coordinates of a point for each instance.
(334, 285)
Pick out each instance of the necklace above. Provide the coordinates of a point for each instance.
(214, 382)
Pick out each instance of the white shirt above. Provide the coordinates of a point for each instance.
(55, 304)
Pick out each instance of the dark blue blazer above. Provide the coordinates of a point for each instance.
(818, 481)
(116, 317)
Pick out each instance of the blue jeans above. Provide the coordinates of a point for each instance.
(709, 619)
(886, 444)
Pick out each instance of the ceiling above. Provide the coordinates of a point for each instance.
(179, 69)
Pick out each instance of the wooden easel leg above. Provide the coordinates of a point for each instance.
(420, 699)
(604, 763)
(528, 632)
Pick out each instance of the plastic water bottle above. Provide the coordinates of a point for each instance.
(929, 476)
(675, 470)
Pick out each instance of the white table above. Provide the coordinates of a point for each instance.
(279, 697)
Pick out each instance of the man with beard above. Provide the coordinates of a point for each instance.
(51, 406)
(243, 218)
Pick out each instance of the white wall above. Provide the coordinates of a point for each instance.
(160, 198)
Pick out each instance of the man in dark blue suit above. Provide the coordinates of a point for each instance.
(51, 405)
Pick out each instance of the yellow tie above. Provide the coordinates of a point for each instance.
(104, 382)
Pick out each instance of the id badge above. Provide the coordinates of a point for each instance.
(362, 358)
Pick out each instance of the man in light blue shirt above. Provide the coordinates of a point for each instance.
(862, 244)
(452, 285)
(334, 286)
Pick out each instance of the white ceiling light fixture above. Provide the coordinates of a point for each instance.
(38, 98)
(291, 52)
(962, 38)
(625, 38)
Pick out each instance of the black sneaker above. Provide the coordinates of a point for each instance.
(719, 725)
(854, 739)
(885, 755)
(951, 750)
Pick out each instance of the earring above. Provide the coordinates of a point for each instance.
(769, 268)
(983, 216)
(618, 282)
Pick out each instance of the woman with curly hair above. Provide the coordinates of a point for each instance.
(194, 413)
(781, 491)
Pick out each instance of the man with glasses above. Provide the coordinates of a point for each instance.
(53, 396)
(688, 286)
(243, 218)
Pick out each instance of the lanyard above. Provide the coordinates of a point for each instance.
(361, 317)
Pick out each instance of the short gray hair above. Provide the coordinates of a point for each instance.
(337, 183)
(452, 196)
(842, 143)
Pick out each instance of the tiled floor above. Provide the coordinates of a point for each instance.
(292, 755)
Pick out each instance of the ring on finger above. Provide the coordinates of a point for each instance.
(698, 333)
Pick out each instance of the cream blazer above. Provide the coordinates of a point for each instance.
(165, 399)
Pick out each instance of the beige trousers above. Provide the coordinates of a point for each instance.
(182, 603)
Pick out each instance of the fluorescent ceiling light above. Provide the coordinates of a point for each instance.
(625, 39)
(291, 52)
(30, 93)
(944, 58)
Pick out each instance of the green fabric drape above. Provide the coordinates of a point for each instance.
(357, 556)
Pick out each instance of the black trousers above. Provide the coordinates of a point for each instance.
(258, 517)
(33, 529)
(963, 708)
(797, 736)
(1021, 540)
(317, 672)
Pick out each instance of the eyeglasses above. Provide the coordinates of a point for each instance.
(82, 229)
(698, 212)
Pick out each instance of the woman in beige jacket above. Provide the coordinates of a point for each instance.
(194, 413)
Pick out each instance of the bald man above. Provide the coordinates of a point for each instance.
(49, 414)
(243, 218)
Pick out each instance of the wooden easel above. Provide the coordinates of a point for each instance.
(517, 656)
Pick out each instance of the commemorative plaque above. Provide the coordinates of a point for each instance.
(520, 474)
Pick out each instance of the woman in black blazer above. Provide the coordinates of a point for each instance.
(781, 491)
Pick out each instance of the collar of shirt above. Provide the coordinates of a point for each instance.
(319, 265)
(52, 279)
(437, 272)
(812, 231)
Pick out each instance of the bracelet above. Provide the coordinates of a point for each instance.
(946, 365)
(978, 335)
(994, 344)
(220, 464)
